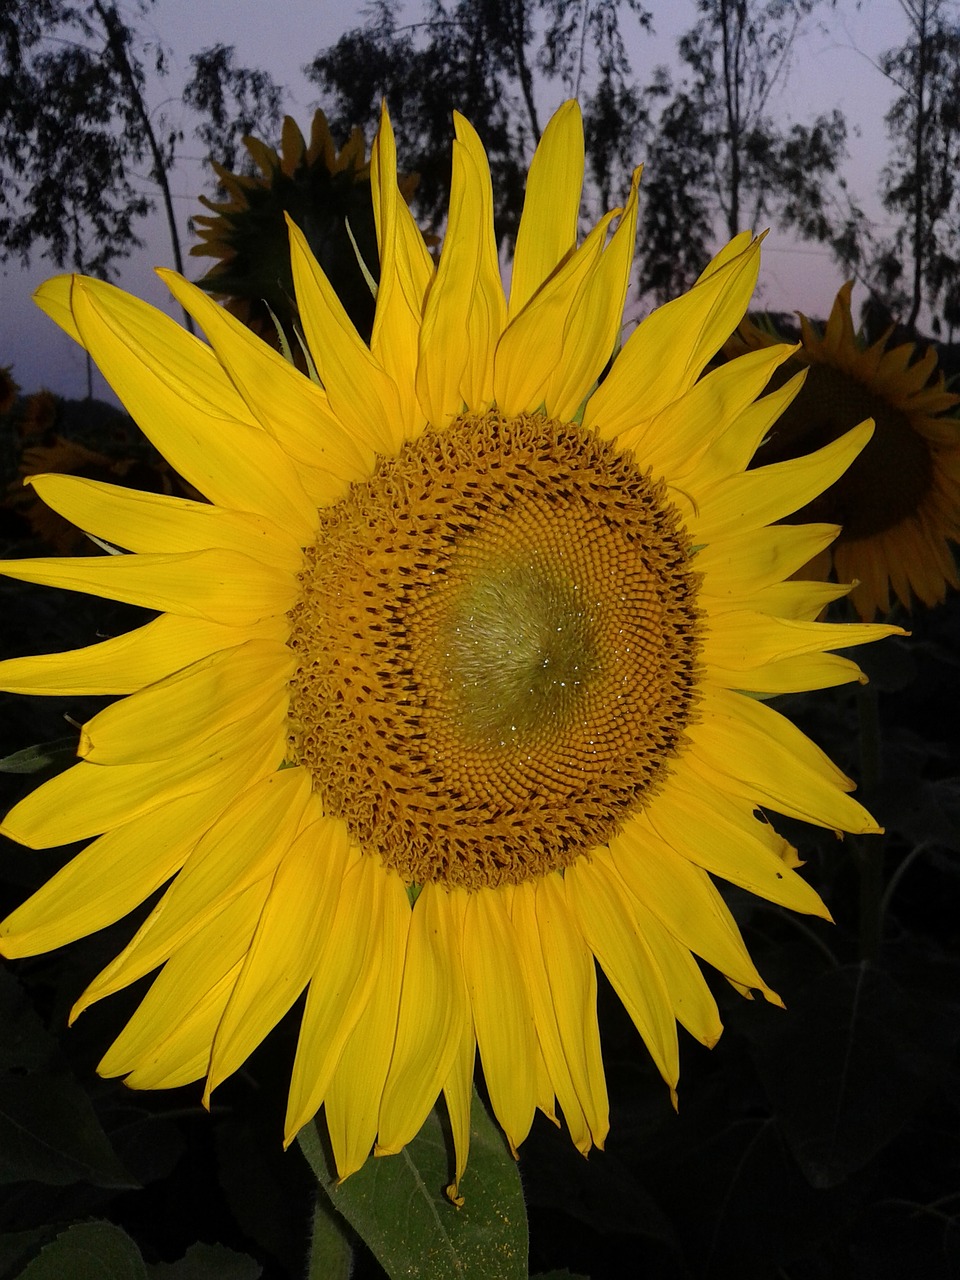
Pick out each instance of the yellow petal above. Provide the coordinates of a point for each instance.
(709, 827)
(180, 713)
(285, 948)
(682, 897)
(181, 398)
(692, 426)
(433, 1011)
(796, 598)
(89, 799)
(693, 1005)
(185, 1052)
(746, 562)
(733, 448)
(488, 308)
(523, 913)
(183, 984)
(150, 522)
(742, 639)
(361, 394)
(531, 347)
(666, 353)
(759, 497)
(294, 410)
(767, 759)
(563, 990)
(241, 849)
(729, 253)
(572, 975)
(403, 282)
(352, 1102)
(221, 586)
(501, 1012)
(458, 1095)
(464, 309)
(593, 328)
(551, 206)
(113, 874)
(53, 298)
(601, 906)
(128, 662)
(798, 674)
(340, 988)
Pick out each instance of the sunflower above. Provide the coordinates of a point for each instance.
(899, 502)
(451, 691)
(325, 191)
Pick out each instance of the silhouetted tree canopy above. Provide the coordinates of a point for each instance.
(482, 57)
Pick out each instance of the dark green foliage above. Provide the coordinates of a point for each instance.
(398, 1208)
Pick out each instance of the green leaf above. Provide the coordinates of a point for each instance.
(848, 1064)
(397, 1205)
(267, 1189)
(49, 1133)
(331, 1257)
(17, 1246)
(43, 755)
(208, 1262)
(26, 1045)
(88, 1251)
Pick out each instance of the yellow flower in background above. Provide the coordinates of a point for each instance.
(322, 190)
(899, 502)
(450, 692)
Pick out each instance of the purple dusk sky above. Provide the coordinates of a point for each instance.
(831, 67)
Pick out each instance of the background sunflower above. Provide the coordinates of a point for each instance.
(324, 191)
(899, 504)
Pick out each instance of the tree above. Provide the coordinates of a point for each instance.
(234, 101)
(479, 53)
(727, 163)
(920, 180)
(677, 217)
(70, 135)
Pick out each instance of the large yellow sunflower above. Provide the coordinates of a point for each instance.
(899, 502)
(450, 694)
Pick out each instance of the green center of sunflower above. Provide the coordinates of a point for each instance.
(889, 479)
(497, 643)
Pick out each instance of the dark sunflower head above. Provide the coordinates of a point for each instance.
(899, 503)
(326, 192)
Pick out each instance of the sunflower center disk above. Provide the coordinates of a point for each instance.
(497, 641)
